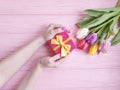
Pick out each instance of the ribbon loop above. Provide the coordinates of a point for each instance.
(65, 48)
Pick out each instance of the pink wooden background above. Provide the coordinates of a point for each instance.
(22, 20)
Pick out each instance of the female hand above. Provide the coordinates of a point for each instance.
(52, 31)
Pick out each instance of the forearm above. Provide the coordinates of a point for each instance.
(29, 82)
(11, 64)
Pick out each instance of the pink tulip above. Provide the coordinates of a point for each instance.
(82, 44)
(103, 47)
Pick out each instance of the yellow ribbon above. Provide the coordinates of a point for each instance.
(65, 48)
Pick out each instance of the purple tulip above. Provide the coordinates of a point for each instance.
(92, 38)
(103, 47)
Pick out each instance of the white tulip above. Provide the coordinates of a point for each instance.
(82, 33)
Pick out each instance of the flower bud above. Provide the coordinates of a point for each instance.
(103, 47)
(82, 33)
(91, 38)
(82, 44)
(93, 49)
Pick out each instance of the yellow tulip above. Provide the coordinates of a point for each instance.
(93, 49)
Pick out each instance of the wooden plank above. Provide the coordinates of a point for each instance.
(33, 24)
(51, 6)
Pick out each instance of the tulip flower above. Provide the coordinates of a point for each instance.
(103, 47)
(93, 49)
(82, 44)
(91, 38)
(82, 33)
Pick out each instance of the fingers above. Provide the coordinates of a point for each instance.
(56, 31)
(57, 63)
(54, 26)
(51, 61)
(64, 29)
(52, 31)
(45, 61)
(55, 57)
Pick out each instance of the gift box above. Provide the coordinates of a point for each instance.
(62, 44)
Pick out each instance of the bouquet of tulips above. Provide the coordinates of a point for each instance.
(96, 29)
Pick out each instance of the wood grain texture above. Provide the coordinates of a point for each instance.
(23, 20)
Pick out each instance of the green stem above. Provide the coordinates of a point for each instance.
(118, 5)
(100, 31)
(95, 29)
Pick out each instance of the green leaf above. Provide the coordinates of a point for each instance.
(112, 32)
(103, 33)
(96, 29)
(100, 20)
(108, 9)
(93, 13)
(116, 39)
(85, 21)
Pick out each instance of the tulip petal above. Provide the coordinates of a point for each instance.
(82, 33)
(93, 49)
(91, 38)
